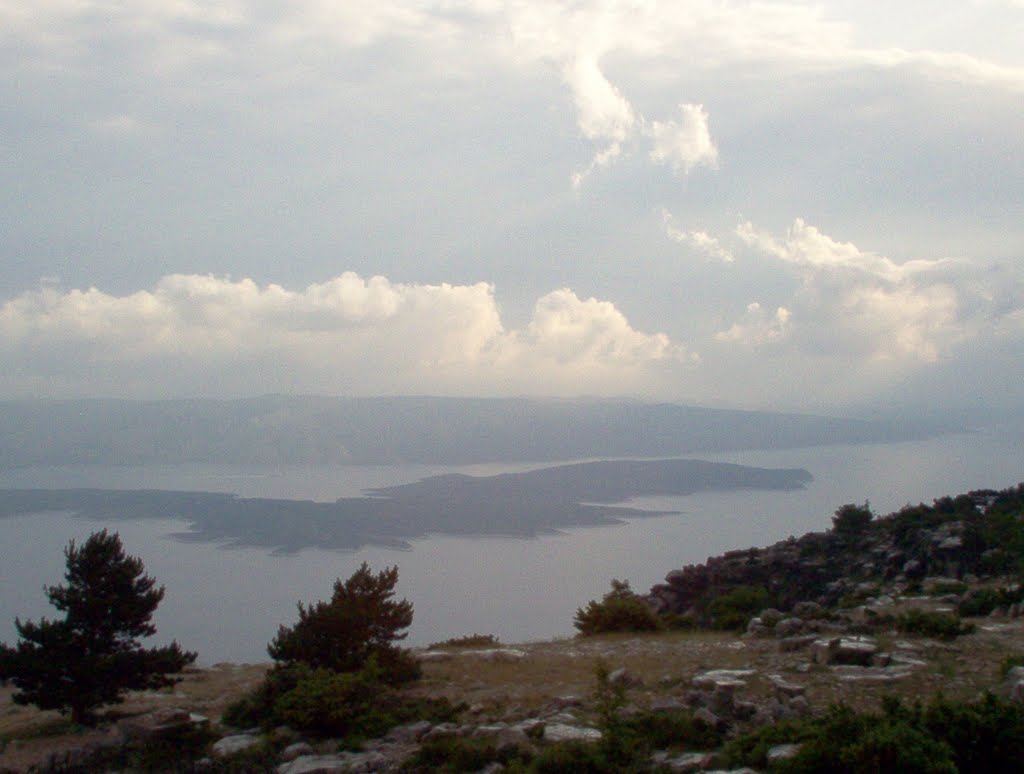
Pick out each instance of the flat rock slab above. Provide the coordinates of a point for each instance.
(849, 673)
(315, 764)
(560, 732)
(231, 745)
(715, 678)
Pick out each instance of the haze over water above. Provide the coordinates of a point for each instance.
(228, 603)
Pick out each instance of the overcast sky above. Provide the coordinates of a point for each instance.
(814, 206)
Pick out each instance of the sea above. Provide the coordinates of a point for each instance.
(227, 603)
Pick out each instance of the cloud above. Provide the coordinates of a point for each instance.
(700, 241)
(347, 334)
(176, 47)
(853, 303)
(686, 143)
(757, 326)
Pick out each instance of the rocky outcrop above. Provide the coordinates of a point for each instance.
(819, 569)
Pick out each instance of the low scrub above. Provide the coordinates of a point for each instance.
(945, 626)
(468, 641)
(620, 610)
(943, 737)
(732, 611)
(453, 754)
(348, 705)
(983, 601)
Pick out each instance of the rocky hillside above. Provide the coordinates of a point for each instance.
(975, 538)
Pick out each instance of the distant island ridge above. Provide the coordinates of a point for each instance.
(522, 504)
(299, 430)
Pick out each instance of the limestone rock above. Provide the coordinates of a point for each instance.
(231, 745)
(315, 764)
(782, 752)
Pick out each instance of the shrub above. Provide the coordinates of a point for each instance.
(361, 621)
(468, 641)
(1011, 661)
(452, 754)
(986, 735)
(751, 749)
(852, 520)
(983, 601)
(941, 588)
(732, 611)
(845, 741)
(671, 729)
(321, 702)
(946, 626)
(944, 737)
(326, 703)
(619, 611)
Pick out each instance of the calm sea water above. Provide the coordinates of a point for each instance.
(228, 603)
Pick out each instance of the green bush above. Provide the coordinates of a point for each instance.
(983, 601)
(326, 703)
(751, 749)
(619, 611)
(941, 588)
(677, 729)
(349, 705)
(732, 611)
(1011, 661)
(942, 738)
(468, 641)
(257, 707)
(452, 754)
(985, 736)
(579, 758)
(946, 626)
(852, 520)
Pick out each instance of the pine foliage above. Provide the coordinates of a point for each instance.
(92, 656)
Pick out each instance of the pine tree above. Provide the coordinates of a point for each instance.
(92, 657)
(361, 621)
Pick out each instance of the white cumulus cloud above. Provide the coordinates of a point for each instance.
(685, 143)
(200, 334)
(851, 302)
(701, 241)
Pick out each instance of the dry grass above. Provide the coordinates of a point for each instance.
(665, 663)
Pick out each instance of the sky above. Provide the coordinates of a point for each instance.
(788, 205)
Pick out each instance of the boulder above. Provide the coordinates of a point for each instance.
(844, 650)
(296, 750)
(789, 627)
(799, 642)
(808, 610)
(161, 722)
(408, 733)
(1015, 683)
(623, 677)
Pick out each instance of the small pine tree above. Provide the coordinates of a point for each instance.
(92, 657)
(361, 621)
(620, 610)
(851, 520)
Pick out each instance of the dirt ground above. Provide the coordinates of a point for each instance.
(532, 676)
